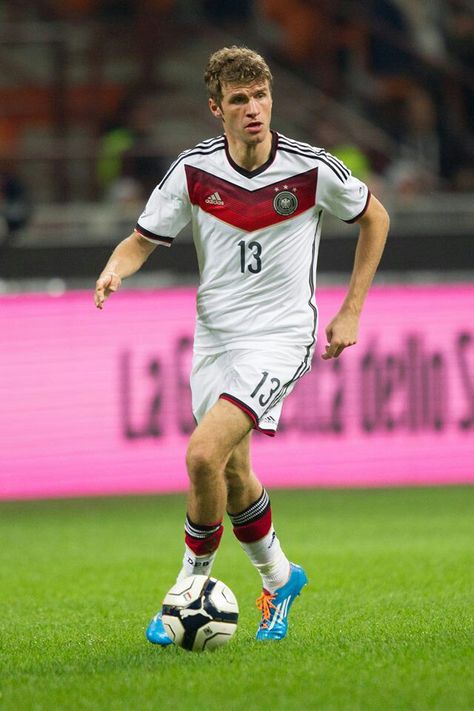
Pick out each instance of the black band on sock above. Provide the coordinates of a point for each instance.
(252, 512)
(198, 530)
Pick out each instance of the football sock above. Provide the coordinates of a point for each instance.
(254, 529)
(201, 544)
(196, 564)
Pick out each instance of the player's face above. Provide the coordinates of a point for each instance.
(246, 111)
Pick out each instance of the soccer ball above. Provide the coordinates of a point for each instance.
(200, 613)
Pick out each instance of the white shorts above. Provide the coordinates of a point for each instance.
(255, 381)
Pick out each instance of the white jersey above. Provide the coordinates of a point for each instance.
(256, 236)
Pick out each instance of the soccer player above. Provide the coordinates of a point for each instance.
(255, 200)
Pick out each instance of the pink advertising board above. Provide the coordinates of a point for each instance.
(98, 403)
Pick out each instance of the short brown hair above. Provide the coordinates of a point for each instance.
(234, 65)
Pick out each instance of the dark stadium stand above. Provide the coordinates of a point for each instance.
(87, 128)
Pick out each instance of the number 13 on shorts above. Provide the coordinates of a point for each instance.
(271, 387)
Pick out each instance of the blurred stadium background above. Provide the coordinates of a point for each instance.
(97, 98)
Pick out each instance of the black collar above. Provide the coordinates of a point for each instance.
(262, 168)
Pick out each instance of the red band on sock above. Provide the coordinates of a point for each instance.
(251, 532)
(204, 546)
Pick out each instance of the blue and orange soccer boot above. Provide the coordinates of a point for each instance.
(156, 633)
(276, 606)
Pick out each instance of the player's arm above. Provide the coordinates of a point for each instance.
(125, 260)
(342, 331)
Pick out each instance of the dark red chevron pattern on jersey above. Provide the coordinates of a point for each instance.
(251, 210)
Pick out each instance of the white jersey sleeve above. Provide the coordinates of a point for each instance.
(168, 209)
(338, 191)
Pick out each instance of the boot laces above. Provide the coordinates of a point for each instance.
(265, 605)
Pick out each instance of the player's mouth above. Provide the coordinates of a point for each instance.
(254, 127)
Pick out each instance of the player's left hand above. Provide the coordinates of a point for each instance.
(106, 284)
(341, 333)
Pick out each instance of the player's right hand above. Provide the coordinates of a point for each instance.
(106, 284)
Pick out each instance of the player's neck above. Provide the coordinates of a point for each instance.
(250, 157)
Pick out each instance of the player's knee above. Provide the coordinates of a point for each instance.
(200, 461)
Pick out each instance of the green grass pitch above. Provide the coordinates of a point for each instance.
(385, 624)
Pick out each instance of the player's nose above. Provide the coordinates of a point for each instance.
(253, 108)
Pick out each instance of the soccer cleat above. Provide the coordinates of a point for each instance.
(276, 606)
(156, 633)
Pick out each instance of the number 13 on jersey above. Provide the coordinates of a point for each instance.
(250, 257)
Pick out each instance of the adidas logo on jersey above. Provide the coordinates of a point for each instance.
(214, 199)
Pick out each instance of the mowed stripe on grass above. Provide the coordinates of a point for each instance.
(385, 623)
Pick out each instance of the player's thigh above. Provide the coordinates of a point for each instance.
(220, 431)
(238, 465)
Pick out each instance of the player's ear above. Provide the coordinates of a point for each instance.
(215, 108)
